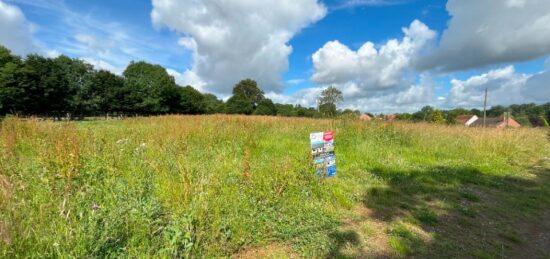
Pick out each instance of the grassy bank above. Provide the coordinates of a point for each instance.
(210, 186)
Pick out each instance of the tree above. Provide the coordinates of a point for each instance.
(328, 100)
(437, 117)
(104, 93)
(330, 95)
(249, 91)
(403, 116)
(351, 113)
(213, 104)
(46, 87)
(238, 104)
(452, 114)
(328, 109)
(191, 101)
(76, 76)
(266, 107)
(11, 93)
(286, 110)
(7, 57)
(150, 89)
(306, 112)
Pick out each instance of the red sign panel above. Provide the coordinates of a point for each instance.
(328, 136)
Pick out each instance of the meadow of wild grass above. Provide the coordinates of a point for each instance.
(222, 186)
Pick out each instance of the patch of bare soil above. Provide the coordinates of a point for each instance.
(4, 234)
(536, 238)
(371, 239)
(274, 251)
(5, 196)
(5, 189)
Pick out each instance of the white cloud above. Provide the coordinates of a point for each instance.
(188, 77)
(409, 99)
(16, 33)
(504, 85)
(306, 97)
(369, 71)
(485, 32)
(537, 87)
(93, 43)
(236, 39)
(378, 79)
(105, 43)
(104, 65)
(356, 3)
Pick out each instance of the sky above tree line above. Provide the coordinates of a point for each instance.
(384, 55)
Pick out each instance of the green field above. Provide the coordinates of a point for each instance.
(238, 186)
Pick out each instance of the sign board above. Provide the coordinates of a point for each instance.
(322, 150)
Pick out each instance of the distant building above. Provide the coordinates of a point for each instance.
(365, 117)
(496, 122)
(466, 119)
(391, 117)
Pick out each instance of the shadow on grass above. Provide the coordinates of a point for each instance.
(461, 211)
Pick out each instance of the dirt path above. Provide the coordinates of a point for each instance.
(536, 238)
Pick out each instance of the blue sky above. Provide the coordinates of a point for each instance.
(386, 56)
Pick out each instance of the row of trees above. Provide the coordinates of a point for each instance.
(525, 114)
(62, 86)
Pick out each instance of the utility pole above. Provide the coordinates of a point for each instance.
(485, 108)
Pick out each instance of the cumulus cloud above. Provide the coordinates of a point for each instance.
(15, 31)
(409, 99)
(188, 77)
(370, 71)
(102, 64)
(236, 39)
(537, 87)
(485, 32)
(504, 85)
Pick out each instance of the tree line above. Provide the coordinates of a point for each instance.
(67, 87)
(525, 114)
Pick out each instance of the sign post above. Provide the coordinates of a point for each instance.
(322, 150)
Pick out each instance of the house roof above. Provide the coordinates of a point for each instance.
(489, 122)
(462, 119)
(365, 117)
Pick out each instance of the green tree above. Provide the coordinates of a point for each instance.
(213, 104)
(265, 107)
(437, 116)
(191, 101)
(286, 110)
(11, 93)
(76, 75)
(249, 91)
(239, 104)
(104, 93)
(6, 57)
(452, 114)
(328, 109)
(47, 90)
(150, 89)
(403, 116)
(329, 98)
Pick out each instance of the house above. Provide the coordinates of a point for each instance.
(496, 122)
(365, 117)
(391, 117)
(466, 119)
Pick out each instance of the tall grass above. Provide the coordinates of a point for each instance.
(208, 186)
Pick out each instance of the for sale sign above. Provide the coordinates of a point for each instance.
(322, 150)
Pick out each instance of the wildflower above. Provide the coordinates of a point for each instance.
(122, 141)
(95, 206)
